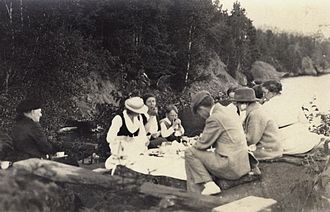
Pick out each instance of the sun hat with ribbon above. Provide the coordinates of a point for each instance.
(136, 105)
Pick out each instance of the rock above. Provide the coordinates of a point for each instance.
(97, 91)
(241, 78)
(59, 172)
(213, 78)
(262, 71)
(22, 191)
(250, 203)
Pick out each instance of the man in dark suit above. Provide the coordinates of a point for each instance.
(229, 157)
(28, 137)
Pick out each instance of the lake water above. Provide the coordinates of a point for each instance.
(301, 90)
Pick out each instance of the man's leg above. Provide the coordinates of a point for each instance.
(197, 175)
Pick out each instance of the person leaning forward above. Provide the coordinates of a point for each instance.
(224, 132)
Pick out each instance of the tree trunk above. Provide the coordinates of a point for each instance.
(21, 10)
(7, 80)
(189, 53)
(9, 8)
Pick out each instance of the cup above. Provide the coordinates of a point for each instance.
(5, 164)
(59, 154)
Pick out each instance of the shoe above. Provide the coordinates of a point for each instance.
(210, 188)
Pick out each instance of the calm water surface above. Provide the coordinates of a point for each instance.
(301, 90)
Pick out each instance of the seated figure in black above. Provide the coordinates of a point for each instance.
(28, 137)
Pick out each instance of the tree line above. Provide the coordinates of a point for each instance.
(47, 47)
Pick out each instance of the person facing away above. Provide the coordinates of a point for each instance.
(171, 127)
(28, 137)
(293, 125)
(151, 121)
(127, 135)
(262, 133)
(223, 131)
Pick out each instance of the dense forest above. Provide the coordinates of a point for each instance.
(48, 48)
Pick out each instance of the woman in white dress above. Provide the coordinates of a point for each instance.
(296, 138)
(127, 137)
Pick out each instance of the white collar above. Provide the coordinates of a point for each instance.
(212, 108)
(132, 126)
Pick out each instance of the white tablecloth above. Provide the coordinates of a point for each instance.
(170, 164)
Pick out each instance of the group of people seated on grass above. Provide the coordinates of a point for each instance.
(261, 126)
(140, 122)
(254, 125)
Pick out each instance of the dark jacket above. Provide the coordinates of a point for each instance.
(29, 140)
(6, 146)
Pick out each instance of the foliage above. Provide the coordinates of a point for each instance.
(49, 48)
(324, 127)
(285, 51)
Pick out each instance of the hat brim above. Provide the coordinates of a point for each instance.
(141, 110)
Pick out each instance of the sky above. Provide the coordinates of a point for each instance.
(303, 16)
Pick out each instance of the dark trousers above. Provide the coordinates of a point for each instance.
(156, 142)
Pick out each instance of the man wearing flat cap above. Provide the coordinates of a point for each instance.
(28, 137)
(223, 131)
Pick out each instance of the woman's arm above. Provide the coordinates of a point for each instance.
(116, 124)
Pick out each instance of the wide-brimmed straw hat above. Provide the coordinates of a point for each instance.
(136, 105)
(245, 95)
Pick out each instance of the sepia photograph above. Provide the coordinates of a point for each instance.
(164, 105)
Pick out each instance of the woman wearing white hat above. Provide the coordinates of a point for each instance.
(127, 135)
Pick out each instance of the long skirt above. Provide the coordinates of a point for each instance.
(297, 139)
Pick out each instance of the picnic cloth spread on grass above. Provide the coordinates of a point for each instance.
(167, 160)
(171, 166)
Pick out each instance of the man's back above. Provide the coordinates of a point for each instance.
(232, 137)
